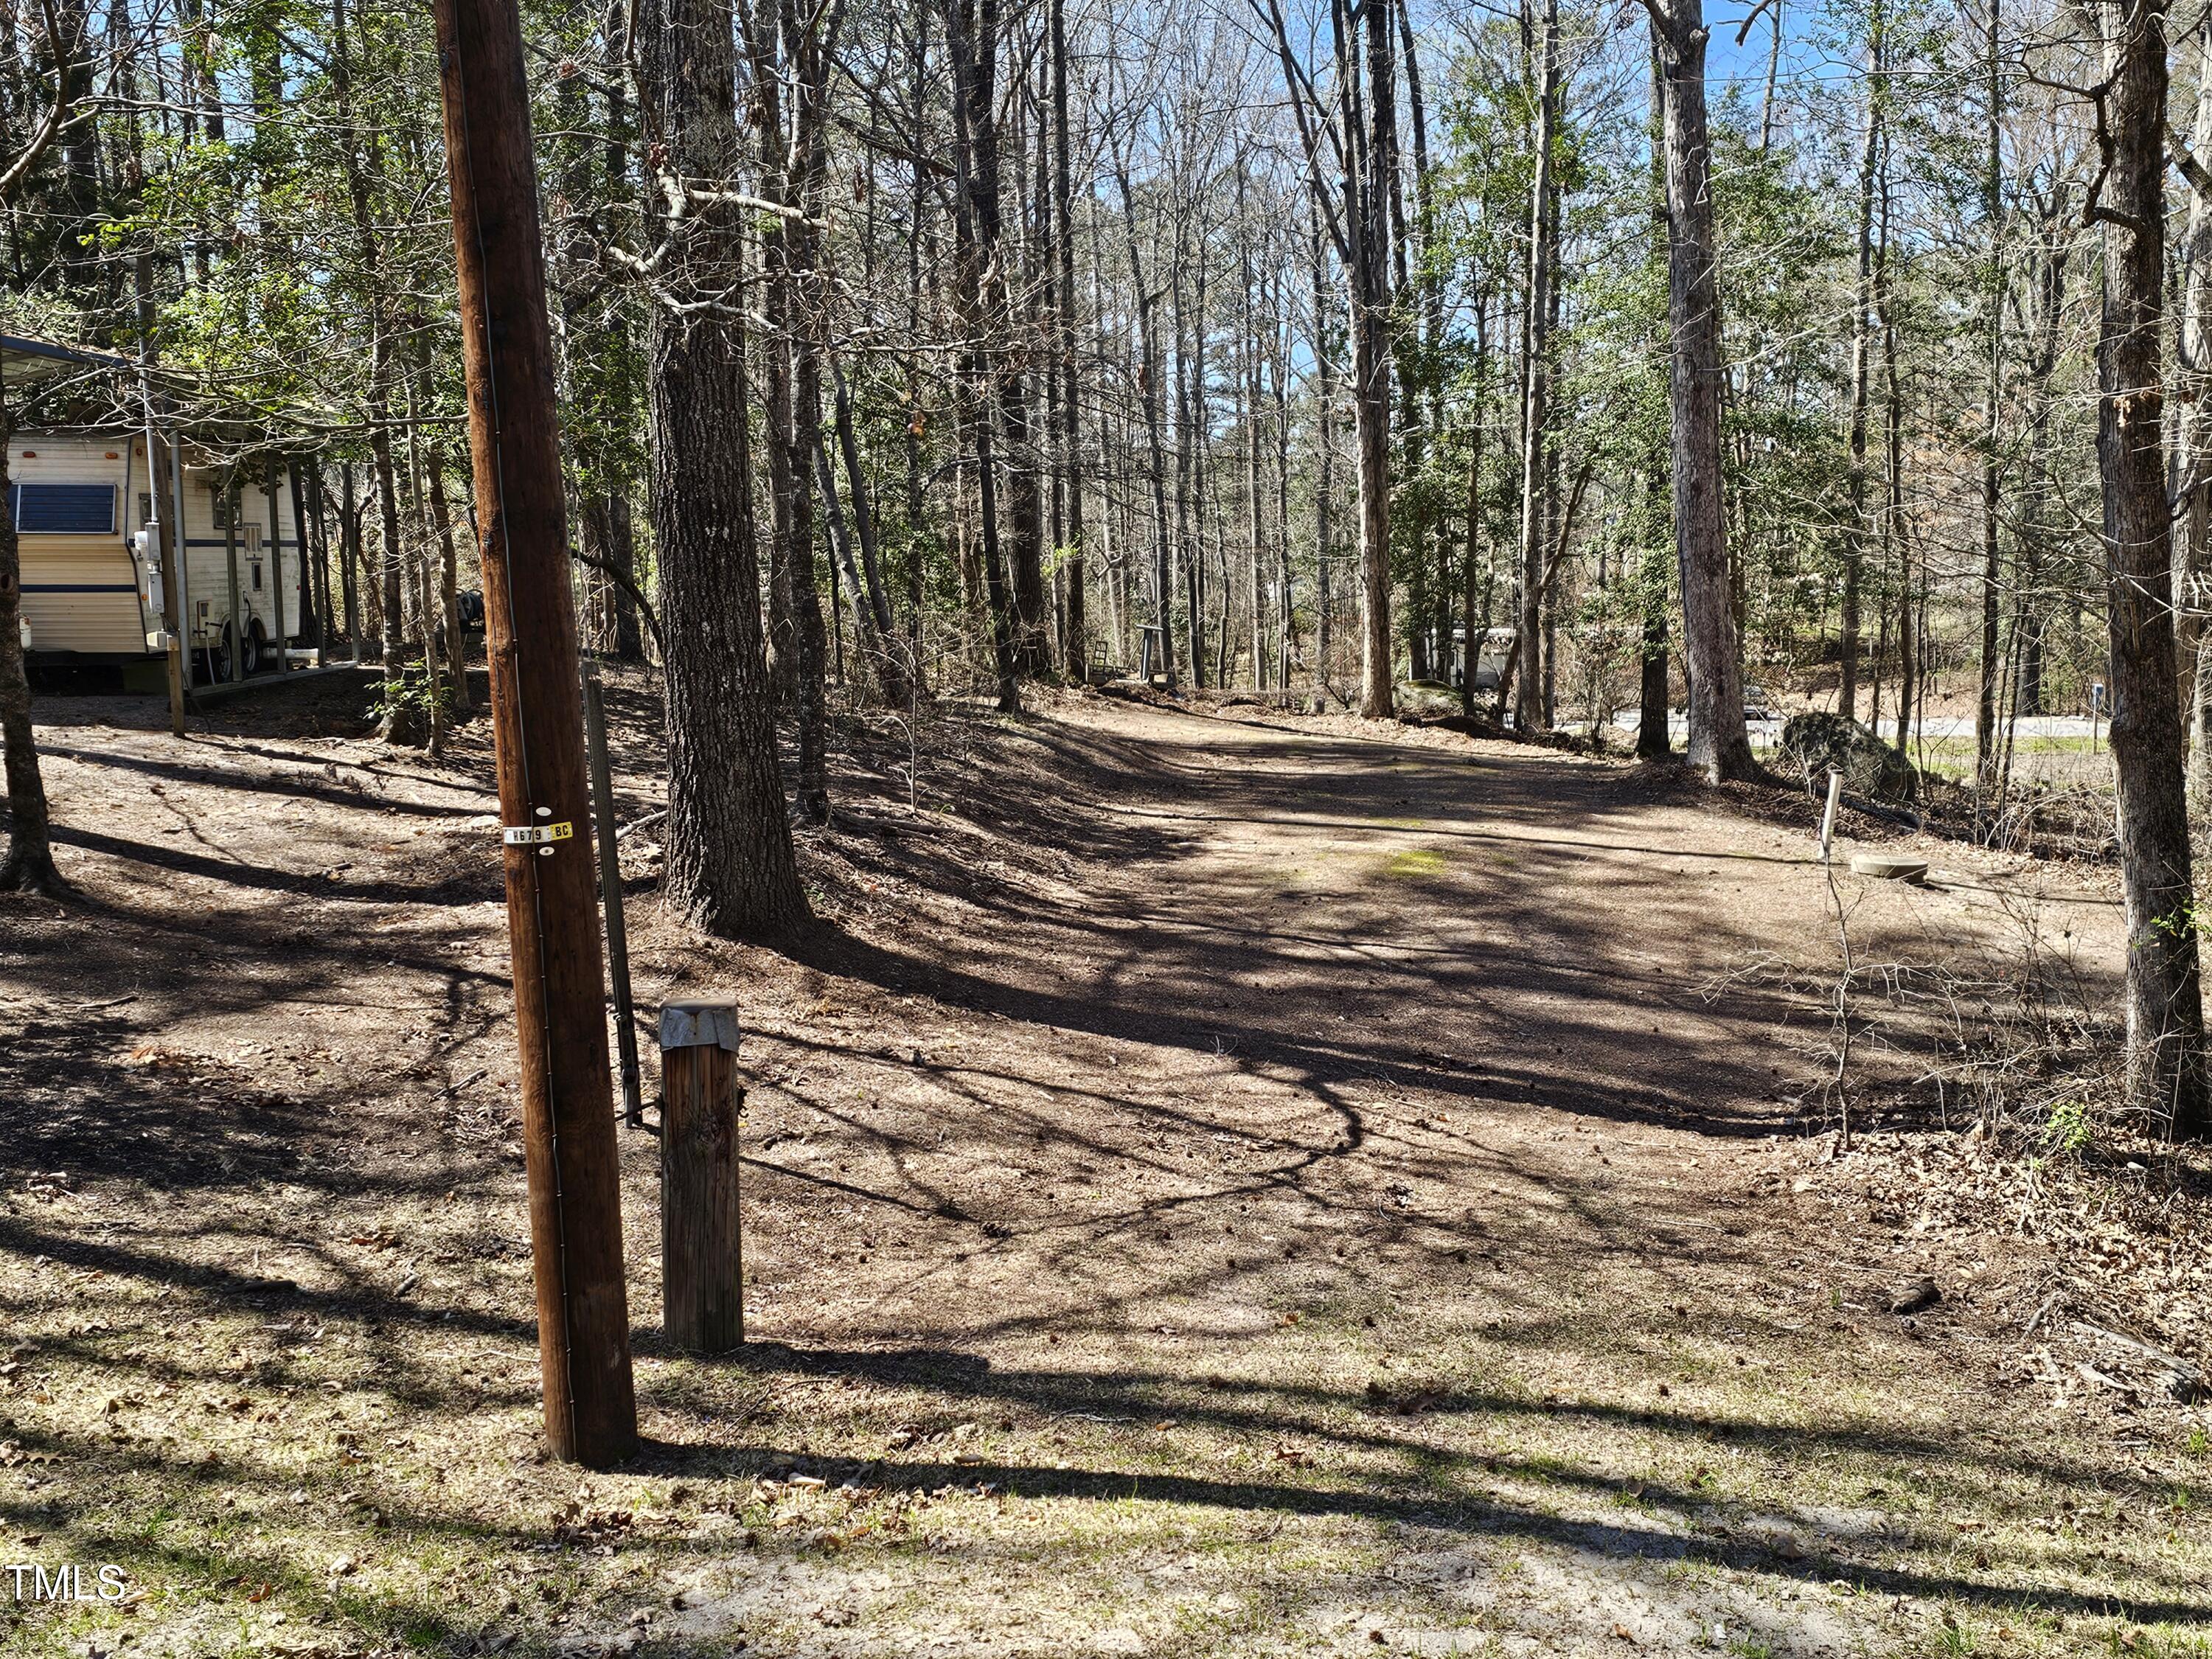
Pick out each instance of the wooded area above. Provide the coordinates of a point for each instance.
(1804, 391)
(1283, 351)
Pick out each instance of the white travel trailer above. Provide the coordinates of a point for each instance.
(1489, 659)
(92, 577)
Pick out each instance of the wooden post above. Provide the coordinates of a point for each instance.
(538, 735)
(702, 1255)
(230, 504)
(273, 557)
(610, 899)
(168, 550)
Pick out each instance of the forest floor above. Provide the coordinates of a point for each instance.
(1217, 1183)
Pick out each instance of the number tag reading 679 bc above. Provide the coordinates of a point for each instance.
(536, 834)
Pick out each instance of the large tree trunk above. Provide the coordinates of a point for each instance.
(972, 35)
(2195, 343)
(29, 863)
(1985, 722)
(1530, 711)
(2165, 1074)
(1858, 536)
(1325, 438)
(1720, 747)
(1654, 735)
(1075, 641)
(1370, 376)
(1248, 386)
(730, 865)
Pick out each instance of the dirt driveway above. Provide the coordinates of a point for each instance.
(1219, 1186)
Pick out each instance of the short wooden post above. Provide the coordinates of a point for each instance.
(702, 1255)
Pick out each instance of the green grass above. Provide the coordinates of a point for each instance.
(1414, 863)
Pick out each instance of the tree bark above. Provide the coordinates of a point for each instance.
(729, 867)
(2165, 1072)
(2194, 342)
(1858, 536)
(1370, 376)
(1529, 713)
(28, 865)
(1075, 642)
(1985, 703)
(1720, 746)
(1655, 739)
(1325, 438)
(972, 35)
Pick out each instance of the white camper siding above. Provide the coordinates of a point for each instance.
(81, 593)
(86, 593)
(80, 589)
(208, 560)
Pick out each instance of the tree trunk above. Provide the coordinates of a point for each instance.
(1985, 703)
(29, 863)
(1075, 643)
(1325, 437)
(729, 867)
(1858, 537)
(1528, 706)
(2195, 344)
(1371, 377)
(972, 35)
(1720, 746)
(2165, 1074)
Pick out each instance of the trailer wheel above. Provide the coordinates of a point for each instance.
(214, 660)
(257, 649)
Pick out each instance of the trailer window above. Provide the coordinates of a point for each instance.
(64, 509)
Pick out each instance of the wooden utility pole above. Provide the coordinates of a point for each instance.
(568, 1102)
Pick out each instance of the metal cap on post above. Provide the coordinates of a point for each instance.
(701, 1247)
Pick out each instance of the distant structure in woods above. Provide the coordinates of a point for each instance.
(84, 496)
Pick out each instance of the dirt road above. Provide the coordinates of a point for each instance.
(1219, 1186)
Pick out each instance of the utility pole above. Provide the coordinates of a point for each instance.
(567, 1102)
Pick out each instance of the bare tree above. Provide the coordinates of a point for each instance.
(1720, 745)
(2166, 1061)
(730, 865)
(1346, 140)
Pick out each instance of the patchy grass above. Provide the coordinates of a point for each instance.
(1415, 862)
